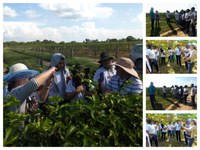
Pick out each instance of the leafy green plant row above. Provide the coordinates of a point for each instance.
(114, 120)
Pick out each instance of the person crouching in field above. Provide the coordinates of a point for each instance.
(28, 86)
(76, 88)
(127, 80)
(105, 72)
(61, 77)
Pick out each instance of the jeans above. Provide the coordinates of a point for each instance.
(171, 58)
(190, 141)
(178, 135)
(155, 139)
(190, 66)
(178, 59)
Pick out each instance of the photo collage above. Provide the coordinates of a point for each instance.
(99, 74)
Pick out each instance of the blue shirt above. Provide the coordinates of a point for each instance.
(124, 87)
(152, 90)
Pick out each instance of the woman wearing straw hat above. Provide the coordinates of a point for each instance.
(105, 71)
(191, 132)
(61, 77)
(126, 81)
(23, 84)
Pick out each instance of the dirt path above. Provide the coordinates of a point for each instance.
(180, 33)
(181, 106)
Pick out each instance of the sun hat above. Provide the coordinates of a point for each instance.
(127, 65)
(194, 45)
(104, 56)
(17, 71)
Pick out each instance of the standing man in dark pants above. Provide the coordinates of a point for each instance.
(178, 54)
(193, 95)
(151, 131)
(152, 17)
(152, 91)
(178, 128)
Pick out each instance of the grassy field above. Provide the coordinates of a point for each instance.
(173, 68)
(32, 61)
(171, 29)
(168, 103)
(173, 142)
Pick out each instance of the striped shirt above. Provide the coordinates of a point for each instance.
(24, 91)
(130, 86)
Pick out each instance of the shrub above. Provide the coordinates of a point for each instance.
(113, 120)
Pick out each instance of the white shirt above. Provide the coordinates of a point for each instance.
(167, 15)
(177, 16)
(103, 76)
(147, 52)
(163, 53)
(71, 88)
(171, 52)
(187, 16)
(183, 16)
(152, 54)
(170, 127)
(164, 128)
(151, 129)
(193, 91)
(178, 51)
(178, 126)
(164, 90)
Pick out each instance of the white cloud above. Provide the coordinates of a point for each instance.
(81, 10)
(31, 13)
(27, 31)
(139, 18)
(8, 12)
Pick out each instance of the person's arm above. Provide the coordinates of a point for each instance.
(41, 78)
(45, 90)
(71, 95)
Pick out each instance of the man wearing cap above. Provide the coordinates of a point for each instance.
(23, 84)
(192, 57)
(105, 71)
(126, 81)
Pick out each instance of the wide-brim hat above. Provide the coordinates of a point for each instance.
(18, 71)
(104, 56)
(127, 65)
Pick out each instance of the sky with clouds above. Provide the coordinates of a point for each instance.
(71, 21)
(163, 7)
(161, 80)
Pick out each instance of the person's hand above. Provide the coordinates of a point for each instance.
(79, 89)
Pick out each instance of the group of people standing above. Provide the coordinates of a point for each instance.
(180, 93)
(156, 56)
(186, 19)
(33, 89)
(157, 131)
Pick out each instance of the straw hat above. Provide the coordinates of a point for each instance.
(127, 65)
(17, 71)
